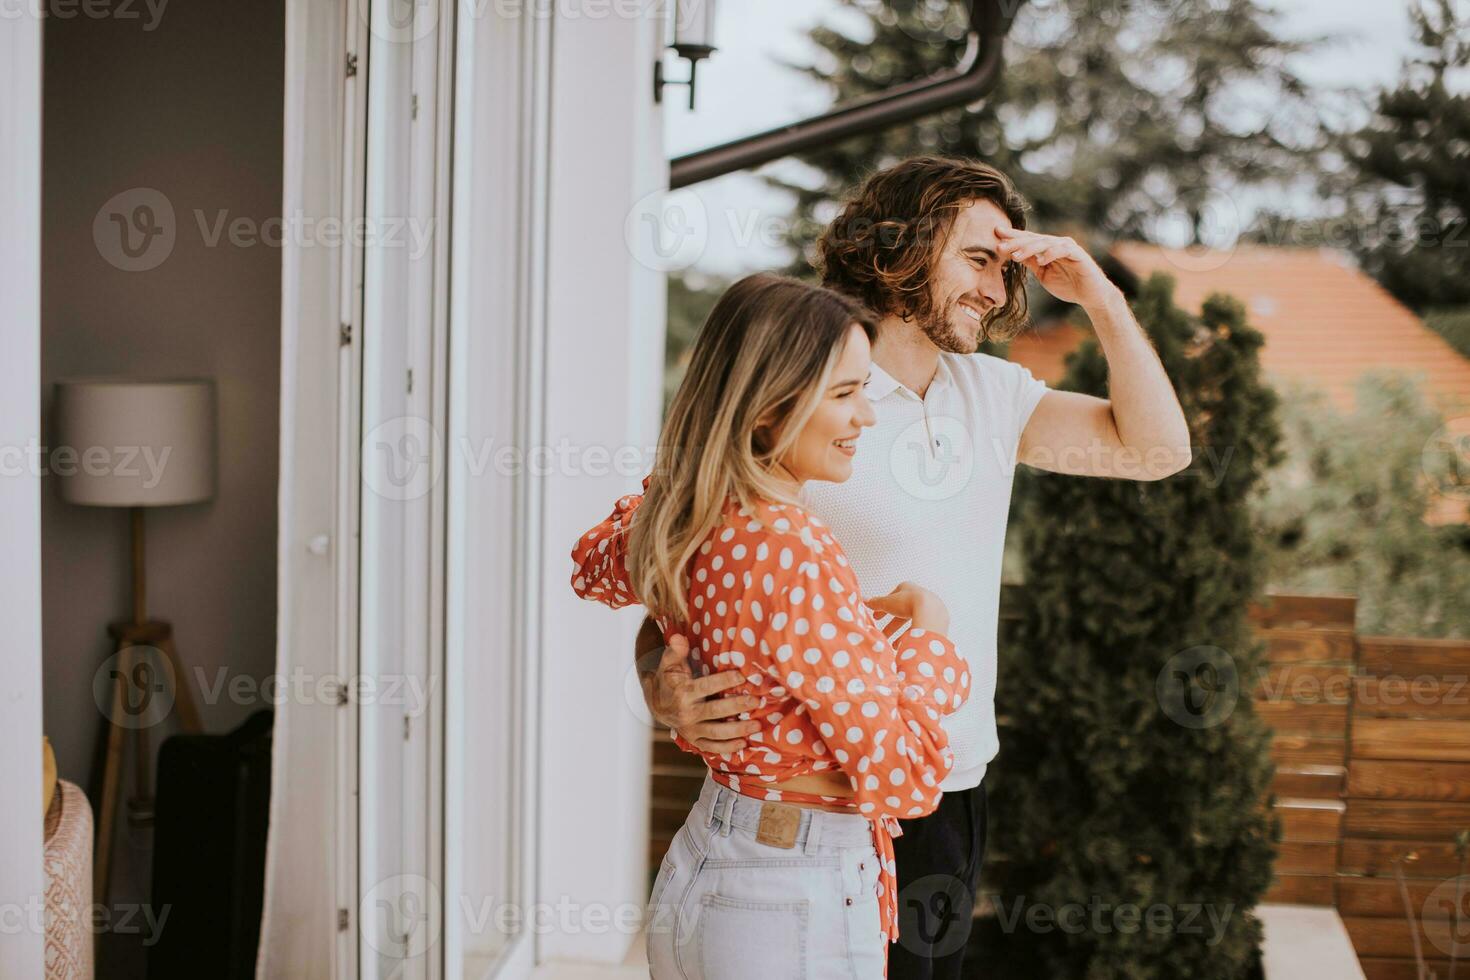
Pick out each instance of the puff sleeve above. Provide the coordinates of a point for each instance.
(600, 557)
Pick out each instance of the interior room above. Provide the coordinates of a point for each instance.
(161, 261)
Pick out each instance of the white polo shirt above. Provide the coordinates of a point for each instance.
(927, 502)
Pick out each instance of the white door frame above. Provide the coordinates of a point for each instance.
(22, 878)
(352, 139)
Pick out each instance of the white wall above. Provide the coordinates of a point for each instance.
(22, 883)
(604, 356)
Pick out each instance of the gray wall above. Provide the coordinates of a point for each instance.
(192, 108)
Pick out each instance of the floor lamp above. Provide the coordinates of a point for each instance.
(136, 444)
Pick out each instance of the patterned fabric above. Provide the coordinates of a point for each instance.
(772, 594)
(68, 885)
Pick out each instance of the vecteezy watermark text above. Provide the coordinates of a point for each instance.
(149, 12)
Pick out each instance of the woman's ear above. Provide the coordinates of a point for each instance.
(763, 434)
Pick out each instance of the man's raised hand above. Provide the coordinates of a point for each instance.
(1063, 267)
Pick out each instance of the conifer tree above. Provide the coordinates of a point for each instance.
(1133, 770)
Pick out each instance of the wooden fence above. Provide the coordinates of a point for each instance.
(1372, 748)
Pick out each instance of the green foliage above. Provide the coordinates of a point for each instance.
(1397, 188)
(1118, 118)
(1346, 514)
(1415, 151)
(1099, 792)
(1453, 324)
(691, 296)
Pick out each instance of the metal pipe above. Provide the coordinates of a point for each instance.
(973, 79)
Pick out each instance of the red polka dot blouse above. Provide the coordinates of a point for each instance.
(771, 594)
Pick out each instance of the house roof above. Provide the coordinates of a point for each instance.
(1325, 321)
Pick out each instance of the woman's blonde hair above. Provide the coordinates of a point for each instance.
(759, 369)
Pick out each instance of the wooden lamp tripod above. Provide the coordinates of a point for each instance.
(145, 444)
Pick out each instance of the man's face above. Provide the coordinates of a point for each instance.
(966, 279)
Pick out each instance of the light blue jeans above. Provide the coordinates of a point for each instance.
(726, 906)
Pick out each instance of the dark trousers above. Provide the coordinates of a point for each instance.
(939, 858)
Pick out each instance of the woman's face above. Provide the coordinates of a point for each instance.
(828, 441)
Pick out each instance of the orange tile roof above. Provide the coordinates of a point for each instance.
(1325, 321)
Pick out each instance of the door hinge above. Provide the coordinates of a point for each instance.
(351, 64)
(340, 694)
(407, 720)
(344, 333)
(344, 920)
(415, 105)
(410, 381)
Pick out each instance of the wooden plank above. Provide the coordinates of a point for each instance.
(1310, 820)
(1304, 611)
(1302, 890)
(1309, 646)
(1292, 718)
(1305, 683)
(1425, 696)
(1382, 897)
(1306, 857)
(677, 783)
(1312, 782)
(1294, 751)
(658, 846)
(1393, 937)
(1383, 968)
(667, 817)
(1412, 657)
(1411, 740)
(1406, 820)
(666, 753)
(1444, 781)
(1423, 859)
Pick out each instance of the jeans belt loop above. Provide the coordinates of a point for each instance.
(727, 802)
(813, 832)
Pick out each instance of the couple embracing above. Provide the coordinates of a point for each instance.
(819, 548)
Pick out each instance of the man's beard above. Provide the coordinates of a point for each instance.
(938, 327)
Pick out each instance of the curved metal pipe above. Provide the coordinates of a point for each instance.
(973, 79)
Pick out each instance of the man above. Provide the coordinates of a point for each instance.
(938, 248)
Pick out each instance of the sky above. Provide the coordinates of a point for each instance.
(745, 88)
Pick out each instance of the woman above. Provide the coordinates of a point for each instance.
(785, 865)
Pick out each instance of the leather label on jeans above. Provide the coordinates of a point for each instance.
(778, 825)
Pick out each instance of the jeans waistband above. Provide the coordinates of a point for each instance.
(723, 808)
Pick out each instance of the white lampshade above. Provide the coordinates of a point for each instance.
(134, 442)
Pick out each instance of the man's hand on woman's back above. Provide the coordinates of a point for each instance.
(695, 707)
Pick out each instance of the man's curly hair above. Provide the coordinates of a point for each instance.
(881, 247)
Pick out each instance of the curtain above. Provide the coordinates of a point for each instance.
(298, 922)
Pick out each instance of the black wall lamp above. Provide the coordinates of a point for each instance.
(694, 32)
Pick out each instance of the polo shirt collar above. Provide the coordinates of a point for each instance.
(881, 384)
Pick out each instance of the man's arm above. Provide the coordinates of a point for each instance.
(1139, 432)
(692, 706)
